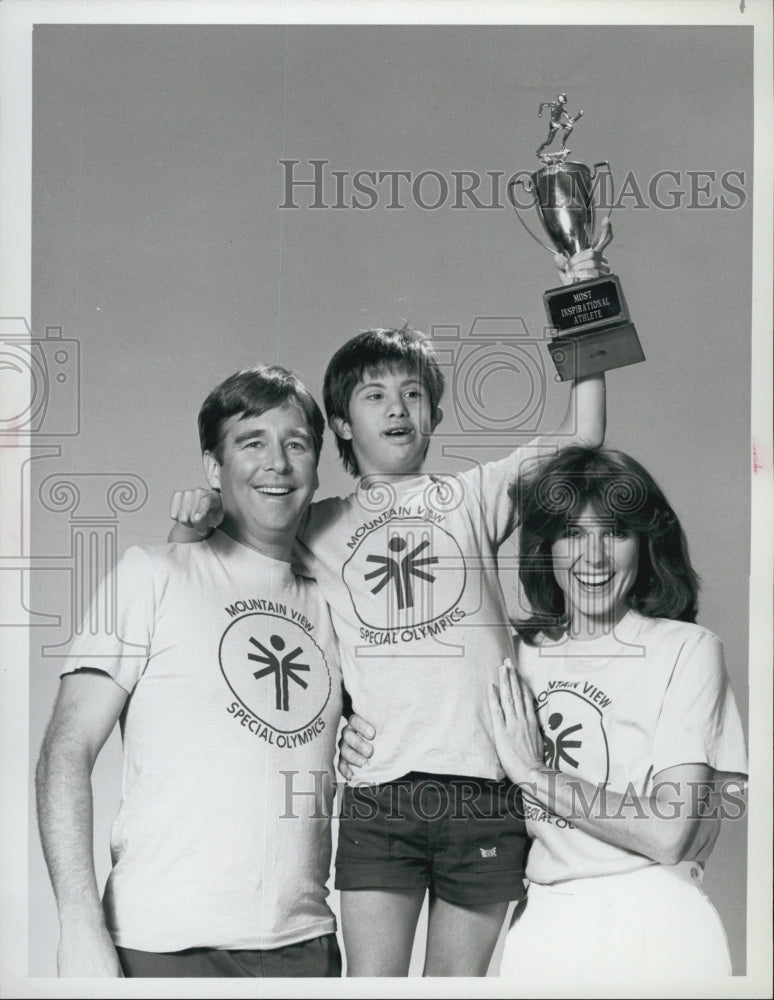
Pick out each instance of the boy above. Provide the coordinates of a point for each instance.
(408, 565)
(225, 673)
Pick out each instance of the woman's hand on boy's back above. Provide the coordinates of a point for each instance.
(196, 514)
(355, 746)
(517, 735)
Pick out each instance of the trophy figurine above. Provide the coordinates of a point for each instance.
(592, 331)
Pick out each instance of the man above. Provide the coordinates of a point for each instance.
(223, 673)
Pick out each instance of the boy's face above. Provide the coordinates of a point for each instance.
(389, 422)
(267, 477)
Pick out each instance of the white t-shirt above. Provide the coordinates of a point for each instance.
(652, 695)
(410, 571)
(235, 696)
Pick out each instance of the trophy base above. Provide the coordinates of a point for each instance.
(578, 354)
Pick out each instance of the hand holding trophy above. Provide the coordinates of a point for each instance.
(593, 331)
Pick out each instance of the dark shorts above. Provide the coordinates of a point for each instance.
(462, 838)
(318, 956)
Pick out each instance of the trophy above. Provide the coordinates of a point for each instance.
(591, 331)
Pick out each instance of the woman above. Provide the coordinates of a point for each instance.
(620, 728)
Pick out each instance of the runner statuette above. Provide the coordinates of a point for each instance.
(591, 330)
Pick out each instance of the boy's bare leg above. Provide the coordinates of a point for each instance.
(461, 939)
(378, 927)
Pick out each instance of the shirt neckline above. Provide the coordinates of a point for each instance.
(625, 633)
(243, 555)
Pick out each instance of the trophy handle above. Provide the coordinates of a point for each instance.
(529, 188)
(597, 167)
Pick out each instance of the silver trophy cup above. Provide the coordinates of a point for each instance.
(589, 319)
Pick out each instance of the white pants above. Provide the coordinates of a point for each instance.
(655, 924)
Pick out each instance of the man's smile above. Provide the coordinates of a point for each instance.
(275, 491)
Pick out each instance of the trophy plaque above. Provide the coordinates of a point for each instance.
(591, 329)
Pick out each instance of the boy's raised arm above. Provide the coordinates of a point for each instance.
(585, 420)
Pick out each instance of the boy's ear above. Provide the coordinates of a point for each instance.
(437, 418)
(211, 470)
(340, 428)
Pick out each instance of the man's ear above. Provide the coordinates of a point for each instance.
(211, 470)
(340, 428)
(437, 418)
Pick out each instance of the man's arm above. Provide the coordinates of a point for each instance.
(87, 708)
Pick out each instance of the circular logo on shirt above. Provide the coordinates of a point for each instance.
(406, 572)
(574, 736)
(276, 670)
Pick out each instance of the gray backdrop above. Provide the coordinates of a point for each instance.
(159, 245)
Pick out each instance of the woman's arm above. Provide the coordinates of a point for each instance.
(678, 821)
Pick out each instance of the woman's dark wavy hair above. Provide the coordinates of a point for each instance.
(618, 487)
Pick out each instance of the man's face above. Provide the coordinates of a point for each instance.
(267, 477)
(389, 422)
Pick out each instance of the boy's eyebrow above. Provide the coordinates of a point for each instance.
(375, 383)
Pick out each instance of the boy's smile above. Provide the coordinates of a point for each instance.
(389, 422)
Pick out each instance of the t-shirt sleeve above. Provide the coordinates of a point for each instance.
(492, 482)
(116, 632)
(699, 721)
(314, 535)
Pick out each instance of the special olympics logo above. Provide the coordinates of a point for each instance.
(403, 573)
(574, 737)
(276, 670)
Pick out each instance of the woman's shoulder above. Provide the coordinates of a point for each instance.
(679, 631)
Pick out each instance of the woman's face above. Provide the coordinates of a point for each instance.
(595, 564)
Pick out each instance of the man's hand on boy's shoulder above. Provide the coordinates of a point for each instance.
(196, 513)
(588, 263)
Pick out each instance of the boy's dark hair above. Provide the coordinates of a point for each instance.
(250, 393)
(373, 351)
(616, 487)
